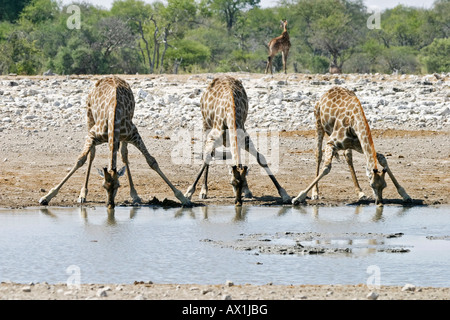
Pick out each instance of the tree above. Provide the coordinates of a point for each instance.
(10, 10)
(436, 56)
(231, 9)
(332, 26)
(400, 59)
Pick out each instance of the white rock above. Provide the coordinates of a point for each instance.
(372, 295)
(444, 111)
(409, 287)
(102, 292)
(26, 289)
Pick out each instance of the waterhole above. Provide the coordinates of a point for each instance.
(212, 244)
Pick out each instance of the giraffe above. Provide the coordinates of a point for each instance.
(339, 114)
(224, 108)
(110, 109)
(280, 43)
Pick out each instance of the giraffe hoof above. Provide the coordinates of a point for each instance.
(407, 200)
(81, 200)
(137, 200)
(202, 196)
(43, 202)
(301, 198)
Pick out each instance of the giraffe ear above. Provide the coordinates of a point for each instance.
(101, 172)
(121, 172)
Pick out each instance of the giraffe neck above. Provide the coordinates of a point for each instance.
(366, 141)
(114, 131)
(234, 132)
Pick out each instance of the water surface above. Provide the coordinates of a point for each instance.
(199, 245)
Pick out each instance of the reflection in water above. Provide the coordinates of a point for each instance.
(48, 212)
(182, 211)
(156, 244)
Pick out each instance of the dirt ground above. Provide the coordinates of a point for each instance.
(227, 291)
(31, 163)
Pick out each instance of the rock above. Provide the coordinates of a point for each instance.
(372, 295)
(409, 287)
(102, 293)
(229, 283)
(49, 72)
(142, 94)
(26, 289)
(444, 111)
(226, 297)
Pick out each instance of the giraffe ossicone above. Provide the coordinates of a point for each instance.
(224, 108)
(110, 110)
(339, 114)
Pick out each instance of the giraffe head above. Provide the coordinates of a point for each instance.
(378, 183)
(238, 181)
(283, 24)
(111, 183)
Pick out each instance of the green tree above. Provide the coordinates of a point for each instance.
(10, 10)
(435, 57)
(332, 27)
(230, 9)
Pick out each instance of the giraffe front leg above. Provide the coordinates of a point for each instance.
(204, 191)
(320, 135)
(401, 191)
(84, 189)
(139, 144)
(250, 147)
(329, 152)
(81, 160)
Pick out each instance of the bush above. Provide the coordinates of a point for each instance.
(435, 57)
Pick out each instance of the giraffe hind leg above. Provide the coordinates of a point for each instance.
(349, 157)
(329, 153)
(124, 154)
(214, 139)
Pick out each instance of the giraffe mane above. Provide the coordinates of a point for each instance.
(369, 134)
(233, 107)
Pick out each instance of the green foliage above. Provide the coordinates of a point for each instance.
(10, 10)
(135, 36)
(435, 57)
(189, 53)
